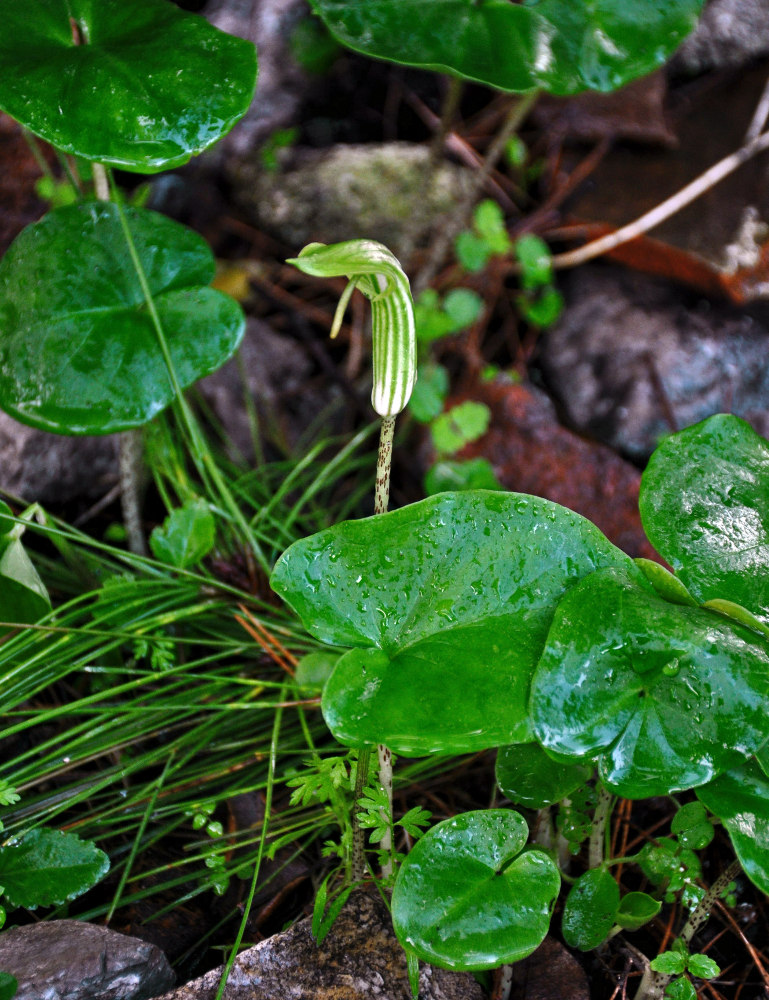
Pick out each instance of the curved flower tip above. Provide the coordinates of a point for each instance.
(373, 269)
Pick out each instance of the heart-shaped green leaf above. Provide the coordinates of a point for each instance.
(590, 910)
(705, 507)
(665, 696)
(469, 896)
(562, 46)
(528, 777)
(47, 867)
(139, 84)
(740, 798)
(637, 909)
(78, 351)
(186, 536)
(450, 599)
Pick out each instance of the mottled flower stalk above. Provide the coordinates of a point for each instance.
(372, 268)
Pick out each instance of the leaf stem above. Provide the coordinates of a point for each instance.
(598, 830)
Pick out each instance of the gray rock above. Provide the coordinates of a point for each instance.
(630, 361)
(359, 960)
(281, 84)
(730, 34)
(348, 191)
(70, 960)
(274, 370)
(38, 466)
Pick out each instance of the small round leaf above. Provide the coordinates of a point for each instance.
(78, 350)
(46, 867)
(8, 986)
(590, 911)
(637, 909)
(703, 966)
(469, 897)
(529, 777)
(139, 84)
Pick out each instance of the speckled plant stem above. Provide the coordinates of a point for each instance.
(381, 503)
(652, 986)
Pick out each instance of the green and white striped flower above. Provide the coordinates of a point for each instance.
(372, 268)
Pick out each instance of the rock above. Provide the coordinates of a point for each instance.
(52, 468)
(730, 33)
(70, 960)
(281, 84)
(359, 960)
(550, 973)
(633, 359)
(532, 453)
(277, 371)
(347, 191)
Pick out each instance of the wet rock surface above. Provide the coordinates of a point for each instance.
(360, 959)
(634, 358)
(347, 191)
(532, 453)
(70, 960)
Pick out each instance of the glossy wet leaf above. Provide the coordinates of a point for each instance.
(590, 910)
(149, 87)
(705, 508)
(47, 868)
(562, 46)
(468, 896)
(692, 827)
(664, 696)
(78, 351)
(637, 909)
(449, 601)
(528, 777)
(186, 536)
(740, 799)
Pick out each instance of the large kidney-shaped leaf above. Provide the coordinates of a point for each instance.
(47, 867)
(146, 87)
(665, 696)
(562, 46)
(705, 507)
(448, 601)
(740, 798)
(469, 896)
(78, 350)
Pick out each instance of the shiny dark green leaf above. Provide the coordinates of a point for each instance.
(590, 910)
(469, 896)
(78, 351)
(149, 87)
(528, 777)
(47, 867)
(23, 597)
(562, 46)
(740, 799)
(665, 696)
(704, 507)
(637, 909)
(450, 600)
